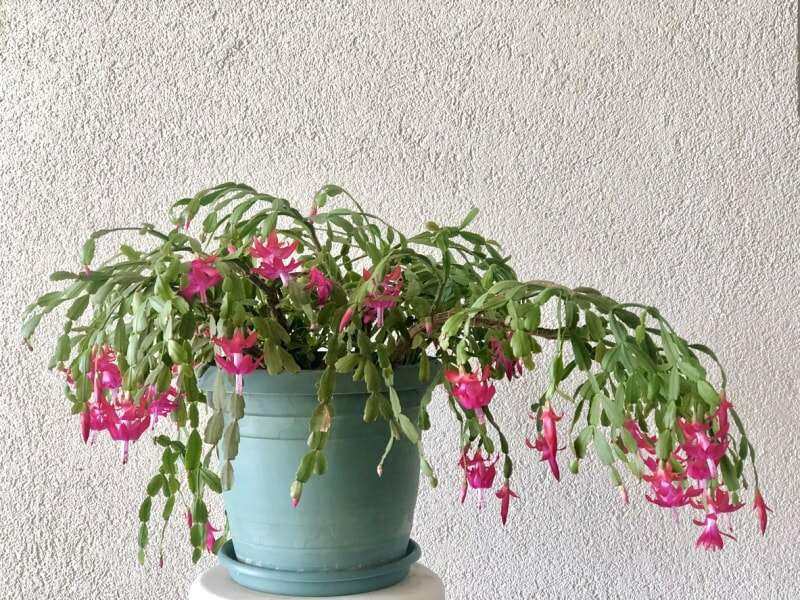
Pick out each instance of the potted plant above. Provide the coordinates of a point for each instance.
(291, 358)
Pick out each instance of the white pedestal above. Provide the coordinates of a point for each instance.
(421, 584)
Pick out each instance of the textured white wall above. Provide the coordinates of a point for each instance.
(647, 148)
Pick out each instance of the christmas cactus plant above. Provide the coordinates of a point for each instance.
(262, 285)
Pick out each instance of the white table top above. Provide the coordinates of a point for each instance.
(421, 584)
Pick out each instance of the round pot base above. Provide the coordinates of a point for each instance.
(318, 583)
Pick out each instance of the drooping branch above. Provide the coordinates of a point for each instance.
(439, 319)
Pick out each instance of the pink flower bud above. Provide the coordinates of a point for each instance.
(761, 509)
(348, 314)
(295, 493)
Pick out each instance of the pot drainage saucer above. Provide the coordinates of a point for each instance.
(318, 583)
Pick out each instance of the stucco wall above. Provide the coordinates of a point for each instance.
(647, 148)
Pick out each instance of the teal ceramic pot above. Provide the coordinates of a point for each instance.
(349, 518)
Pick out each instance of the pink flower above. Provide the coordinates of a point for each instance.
(235, 360)
(210, 531)
(162, 404)
(346, 317)
(703, 453)
(384, 298)
(237, 343)
(549, 431)
(472, 392)
(505, 494)
(104, 375)
(547, 442)
(272, 255)
(93, 419)
(276, 269)
(273, 248)
(501, 359)
(643, 442)
(202, 276)
(546, 454)
(210, 537)
(711, 537)
(666, 486)
(761, 509)
(124, 421)
(722, 416)
(320, 284)
(721, 503)
(104, 372)
(479, 474)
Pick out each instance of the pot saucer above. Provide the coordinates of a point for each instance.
(318, 583)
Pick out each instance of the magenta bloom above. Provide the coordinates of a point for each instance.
(703, 453)
(162, 404)
(761, 509)
(506, 363)
(202, 276)
(505, 494)
(643, 442)
(479, 474)
(320, 284)
(104, 372)
(720, 502)
(273, 248)
(105, 375)
(549, 431)
(385, 298)
(211, 539)
(666, 485)
(711, 537)
(275, 268)
(124, 421)
(472, 392)
(236, 344)
(93, 419)
(722, 417)
(547, 442)
(546, 454)
(272, 255)
(235, 360)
